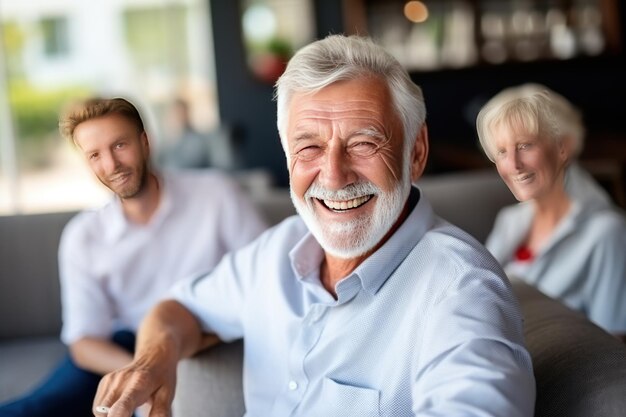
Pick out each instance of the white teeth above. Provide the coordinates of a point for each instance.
(522, 178)
(344, 205)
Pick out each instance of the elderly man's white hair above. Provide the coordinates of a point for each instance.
(341, 58)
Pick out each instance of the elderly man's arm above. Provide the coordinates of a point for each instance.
(474, 362)
(169, 332)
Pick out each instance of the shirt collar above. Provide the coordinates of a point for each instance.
(566, 226)
(117, 223)
(524, 218)
(376, 269)
(307, 255)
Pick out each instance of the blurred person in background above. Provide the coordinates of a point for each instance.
(116, 262)
(184, 147)
(565, 237)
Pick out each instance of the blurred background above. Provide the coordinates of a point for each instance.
(202, 73)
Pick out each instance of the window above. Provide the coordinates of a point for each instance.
(54, 51)
(55, 36)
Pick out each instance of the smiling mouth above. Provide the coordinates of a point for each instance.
(345, 205)
(523, 178)
(119, 178)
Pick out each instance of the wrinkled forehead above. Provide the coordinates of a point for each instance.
(337, 111)
(356, 99)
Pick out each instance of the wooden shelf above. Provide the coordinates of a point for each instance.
(464, 34)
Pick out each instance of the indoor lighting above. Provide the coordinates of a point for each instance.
(416, 11)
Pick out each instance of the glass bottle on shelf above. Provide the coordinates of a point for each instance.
(437, 34)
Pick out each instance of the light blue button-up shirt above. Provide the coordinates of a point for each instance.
(426, 326)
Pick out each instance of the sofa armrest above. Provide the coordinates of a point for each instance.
(30, 301)
(210, 383)
(580, 369)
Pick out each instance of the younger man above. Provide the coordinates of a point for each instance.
(118, 261)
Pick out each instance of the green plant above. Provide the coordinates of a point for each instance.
(35, 111)
(35, 114)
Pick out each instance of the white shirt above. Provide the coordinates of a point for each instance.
(113, 271)
(583, 263)
(427, 326)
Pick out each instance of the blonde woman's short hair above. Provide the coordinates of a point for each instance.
(533, 109)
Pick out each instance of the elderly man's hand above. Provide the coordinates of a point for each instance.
(167, 334)
(141, 382)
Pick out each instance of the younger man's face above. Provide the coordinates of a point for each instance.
(116, 152)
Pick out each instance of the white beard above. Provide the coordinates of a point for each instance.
(350, 239)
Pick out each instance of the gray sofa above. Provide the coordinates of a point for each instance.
(580, 369)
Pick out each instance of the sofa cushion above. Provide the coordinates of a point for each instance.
(25, 362)
(580, 369)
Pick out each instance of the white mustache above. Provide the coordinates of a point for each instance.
(350, 192)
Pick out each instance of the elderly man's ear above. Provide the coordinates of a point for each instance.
(419, 154)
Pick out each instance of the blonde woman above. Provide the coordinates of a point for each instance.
(564, 237)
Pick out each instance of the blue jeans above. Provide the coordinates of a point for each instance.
(68, 391)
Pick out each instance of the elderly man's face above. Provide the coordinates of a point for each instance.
(349, 177)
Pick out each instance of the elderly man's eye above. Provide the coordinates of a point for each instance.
(363, 148)
(309, 153)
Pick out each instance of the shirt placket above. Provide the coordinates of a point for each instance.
(297, 382)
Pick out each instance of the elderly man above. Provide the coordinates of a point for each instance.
(365, 304)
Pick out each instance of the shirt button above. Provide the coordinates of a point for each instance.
(293, 385)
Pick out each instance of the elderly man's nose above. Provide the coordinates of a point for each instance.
(336, 171)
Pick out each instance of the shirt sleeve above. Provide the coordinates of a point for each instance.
(217, 299)
(606, 282)
(87, 310)
(475, 362)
